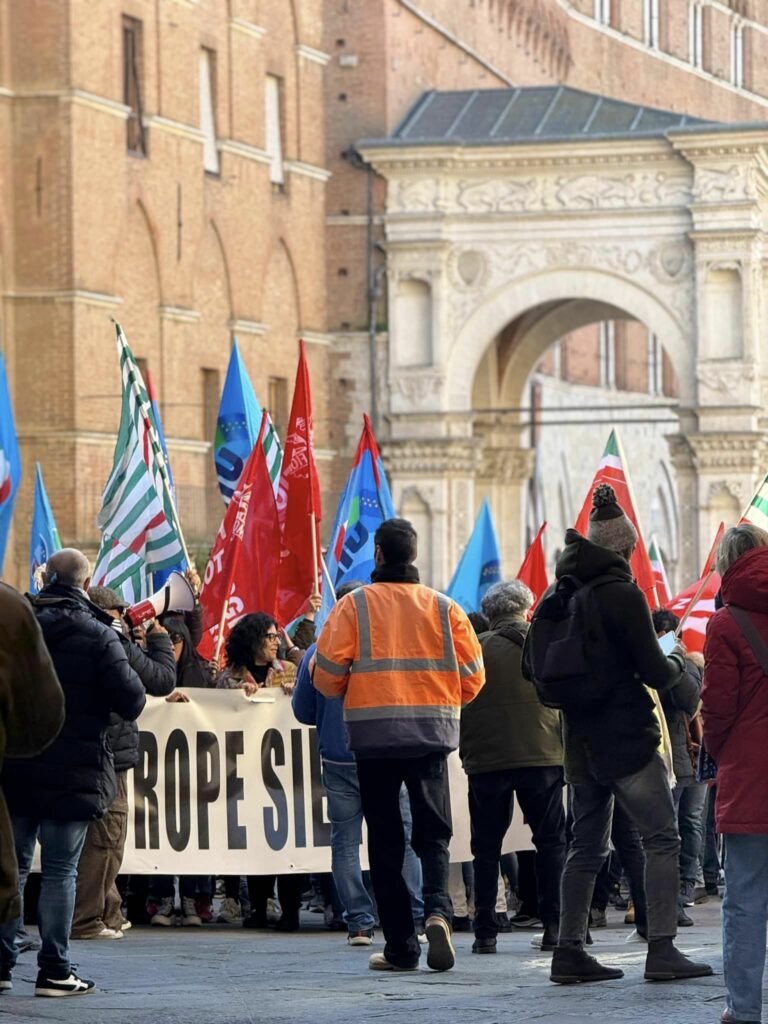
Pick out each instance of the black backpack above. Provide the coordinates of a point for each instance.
(567, 654)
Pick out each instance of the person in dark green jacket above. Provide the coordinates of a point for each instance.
(511, 745)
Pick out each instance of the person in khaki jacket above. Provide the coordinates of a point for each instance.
(406, 659)
(31, 717)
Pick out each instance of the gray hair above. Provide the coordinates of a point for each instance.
(510, 597)
(68, 566)
(736, 542)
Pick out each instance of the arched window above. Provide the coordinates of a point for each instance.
(696, 34)
(737, 54)
(651, 23)
(603, 12)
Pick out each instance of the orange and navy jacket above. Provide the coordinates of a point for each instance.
(406, 659)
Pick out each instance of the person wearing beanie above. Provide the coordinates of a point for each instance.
(611, 751)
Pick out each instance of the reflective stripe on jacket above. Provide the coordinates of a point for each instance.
(406, 659)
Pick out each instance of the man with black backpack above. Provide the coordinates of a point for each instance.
(511, 746)
(592, 651)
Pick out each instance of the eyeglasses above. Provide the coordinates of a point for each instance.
(271, 636)
(176, 638)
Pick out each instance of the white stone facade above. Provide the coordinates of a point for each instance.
(495, 252)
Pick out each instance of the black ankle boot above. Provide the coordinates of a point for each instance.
(572, 966)
(666, 963)
(549, 939)
(487, 945)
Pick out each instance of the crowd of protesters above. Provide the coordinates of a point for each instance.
(627, 762)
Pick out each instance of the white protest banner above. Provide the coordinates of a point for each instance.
(226, 786)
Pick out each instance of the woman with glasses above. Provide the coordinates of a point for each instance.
(252, 650)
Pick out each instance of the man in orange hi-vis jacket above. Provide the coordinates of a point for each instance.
(406, 660)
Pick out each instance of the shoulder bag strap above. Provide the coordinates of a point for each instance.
(752, 636)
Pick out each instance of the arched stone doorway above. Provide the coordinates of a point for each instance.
(503, 240)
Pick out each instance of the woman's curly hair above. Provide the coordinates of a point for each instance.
(247, 636)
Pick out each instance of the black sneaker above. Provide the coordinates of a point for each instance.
(487, 945)
(461, 924)
(55, 987)
(5, 979)
(363, 937)
(572, 966)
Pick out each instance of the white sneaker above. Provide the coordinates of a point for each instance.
(126, 925)
(422, 938)
(189, 915)
(441, 956)
(109, 933)
(635, 936)
(166, 913)
(230, 912)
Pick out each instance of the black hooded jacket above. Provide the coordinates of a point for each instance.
(156, 669)
(622, 736)
(74, 778)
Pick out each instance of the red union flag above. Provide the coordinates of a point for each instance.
(298, 503)
(533, 571)
(695, 628)
(242, 569)
(613, 471)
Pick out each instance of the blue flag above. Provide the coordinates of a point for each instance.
(237, 426)
(44, 538)
(480, 565)
(10, 461)
(365, 504)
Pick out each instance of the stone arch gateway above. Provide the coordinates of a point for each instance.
(547, 208)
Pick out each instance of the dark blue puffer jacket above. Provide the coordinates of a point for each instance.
(74, 778)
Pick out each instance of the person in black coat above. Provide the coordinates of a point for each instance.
(55, 795)
(612, 748)
(98, 913)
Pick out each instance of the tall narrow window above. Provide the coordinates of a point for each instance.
(133, 85)
(737, 54)
(696, 34)
(651, 23)
(603, 12)
(607, 355)
(655, 366)
(273, 133)
(207, 109)
(278, 405)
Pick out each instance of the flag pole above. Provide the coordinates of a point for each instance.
(628, 478)
(694, 601)
(156, 450)
(328, 577)
(315, 581)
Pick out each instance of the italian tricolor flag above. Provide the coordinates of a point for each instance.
(612, 470)
(659, 573)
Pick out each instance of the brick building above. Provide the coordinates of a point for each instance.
(162, 163)
(705, 59)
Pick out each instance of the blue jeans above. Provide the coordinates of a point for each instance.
(689, 799)
(346, 814)
(61, 843)
(745, 911)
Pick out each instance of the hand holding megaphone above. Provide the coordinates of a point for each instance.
(176, 596)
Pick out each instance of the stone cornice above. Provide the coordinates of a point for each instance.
(243, 326)
(65, 295)
(180, 314)
(734, 452)
(248, 28)
(311, 54)
(306, 170)
(243, 150)
(166, 124)
(443, 456)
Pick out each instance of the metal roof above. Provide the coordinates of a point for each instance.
(529, 114)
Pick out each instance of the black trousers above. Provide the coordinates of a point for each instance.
(426, 779)
(491, 804)
(629, 848)
(289, 889)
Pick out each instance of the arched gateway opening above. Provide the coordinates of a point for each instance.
(518, 217)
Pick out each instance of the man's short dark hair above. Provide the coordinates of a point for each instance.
(664, 621)
(398, 541)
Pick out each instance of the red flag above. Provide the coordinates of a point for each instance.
(298, 503)
(613, 471)
(695, 628)
(533, 571)
(243, 566)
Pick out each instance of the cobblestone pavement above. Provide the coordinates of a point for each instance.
(223, 975)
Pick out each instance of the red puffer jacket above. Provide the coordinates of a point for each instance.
(735, 700)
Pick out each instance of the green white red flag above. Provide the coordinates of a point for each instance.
(695, 628)
(659, 573)
(613, 470)
(139, 527)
